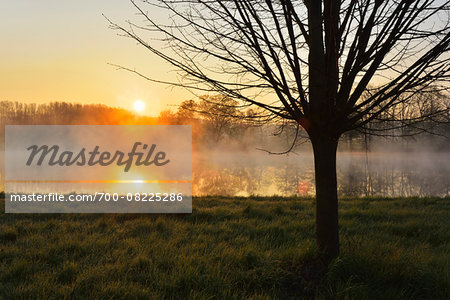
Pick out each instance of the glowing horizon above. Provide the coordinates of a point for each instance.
(61, 51)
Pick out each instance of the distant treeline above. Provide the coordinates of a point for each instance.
(217, 121)
(64, 113)
(211, 127)
(422, 124)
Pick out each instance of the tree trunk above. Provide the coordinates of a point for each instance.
(327, 233)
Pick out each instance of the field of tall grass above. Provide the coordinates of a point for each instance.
(230, 248)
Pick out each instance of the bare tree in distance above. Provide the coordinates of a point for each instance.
(306, 61)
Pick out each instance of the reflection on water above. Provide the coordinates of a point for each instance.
(359, 174)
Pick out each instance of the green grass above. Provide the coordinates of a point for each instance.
(230, 248)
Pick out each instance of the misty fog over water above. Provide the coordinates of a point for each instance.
(359, 173)
(388, 174)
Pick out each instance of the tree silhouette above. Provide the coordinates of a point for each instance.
(306, 61)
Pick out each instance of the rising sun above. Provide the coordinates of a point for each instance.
(139, 105)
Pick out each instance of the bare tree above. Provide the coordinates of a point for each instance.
(308, 61)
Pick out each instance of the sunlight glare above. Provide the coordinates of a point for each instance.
(139, 105)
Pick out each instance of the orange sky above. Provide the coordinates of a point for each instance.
(53, 50)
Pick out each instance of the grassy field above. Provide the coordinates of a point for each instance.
(232, 248)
